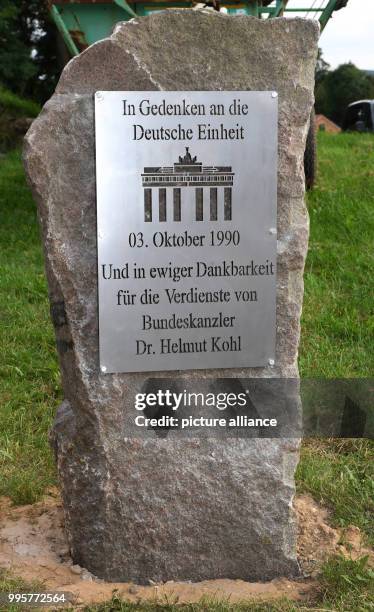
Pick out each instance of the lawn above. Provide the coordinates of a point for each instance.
(338, 323)
(337, 337)
(29, 378)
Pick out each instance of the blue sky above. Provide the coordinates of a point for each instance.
(349, 35)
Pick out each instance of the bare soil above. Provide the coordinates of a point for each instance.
(33, 547)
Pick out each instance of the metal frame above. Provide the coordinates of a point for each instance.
(76, 39)
(281, 7)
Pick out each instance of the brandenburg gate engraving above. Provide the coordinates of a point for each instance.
(188, 173)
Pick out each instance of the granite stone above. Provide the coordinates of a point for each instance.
(168, 509)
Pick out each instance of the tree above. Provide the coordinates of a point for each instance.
(339, 87)
(347, 84)
(29, 62)
(16, 66)
(322, 67)
(320, 93)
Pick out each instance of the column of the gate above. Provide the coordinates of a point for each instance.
(227, 203)
(162, 204)
(155, 204)
(209, 203)
(147, 204)
(213, 203)
(177, 204)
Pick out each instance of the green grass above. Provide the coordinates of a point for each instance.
(29, 378)
(12, 584)
(340, 475)
(12, 109)
(19, 107)
(347, 585)
(336, 342)
(337, 322)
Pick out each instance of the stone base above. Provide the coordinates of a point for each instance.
(186, 509)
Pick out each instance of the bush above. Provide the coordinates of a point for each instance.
(14, 115)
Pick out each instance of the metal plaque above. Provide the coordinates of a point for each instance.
(186, 220)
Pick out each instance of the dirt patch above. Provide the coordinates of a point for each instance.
(317, 540)
(33, 547)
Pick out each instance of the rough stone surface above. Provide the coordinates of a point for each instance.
(140, 510)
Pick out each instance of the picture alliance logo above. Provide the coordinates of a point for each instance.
(163, 184)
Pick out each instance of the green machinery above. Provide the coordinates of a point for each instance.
(83, 22)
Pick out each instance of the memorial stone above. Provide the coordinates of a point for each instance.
(174, 508)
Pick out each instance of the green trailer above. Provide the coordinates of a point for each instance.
(83, 22)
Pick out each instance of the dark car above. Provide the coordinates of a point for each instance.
(359, 116)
